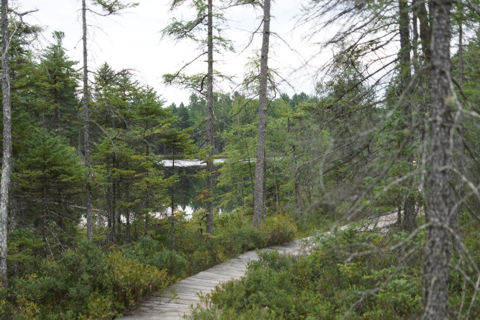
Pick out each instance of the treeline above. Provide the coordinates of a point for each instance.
(129, 129)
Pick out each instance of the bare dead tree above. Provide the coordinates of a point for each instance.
(210, 119)
(86, 137)
(440, 198)
(259, 205)
(7, 144)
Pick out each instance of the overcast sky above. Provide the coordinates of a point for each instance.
(133, 40)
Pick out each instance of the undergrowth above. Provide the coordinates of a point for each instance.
(91, 282)
(353, 275)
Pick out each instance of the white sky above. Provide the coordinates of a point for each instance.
(133, 40)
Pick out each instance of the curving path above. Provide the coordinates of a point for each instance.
(175, 301)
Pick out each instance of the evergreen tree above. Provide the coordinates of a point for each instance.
(58, 84)
(49, 180)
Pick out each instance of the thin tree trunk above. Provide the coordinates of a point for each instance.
(86, 137)
(298, 191)
(425, 36)
(264, 186)
(410, 214)
(119, 212)
(211, 133)
(440, 196)
(109, 202)
(145, 230)
(250, 171)
(147, 196)
(259, 205)
(409, 222)
(7, 145)
(172, 206)
(460, 50)
(399, 215)
(415, 37)
(127, 214)
(114, 201)
(277, 192)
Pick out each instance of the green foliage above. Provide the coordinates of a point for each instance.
(49, 174)
(62, 289)
(57, 104)
(23, 248)
(279, 229)
(110, 7)
(84, 283)
(321, 286)
(152, 252)
(132, 279)
(241, 239)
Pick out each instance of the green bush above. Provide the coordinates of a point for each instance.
(279, 229)
(239, 240)
(321, 285)
(152, 252)
(84, 283)
(62, 288)
(132, 279)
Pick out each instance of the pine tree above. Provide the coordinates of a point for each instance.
(49, 177)
(57, 85)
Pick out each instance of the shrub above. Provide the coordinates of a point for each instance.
(132, 279)
(152, 252)
(239, 240)
(61, 289)
(321, 286)
(84, 283)
(279, 229)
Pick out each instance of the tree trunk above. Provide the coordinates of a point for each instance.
(114, 201)
(147, 197)
(409, 222)
(146, 227)
(127, 215)
(298, 191)
(259, 205)
(440, 196)
(7, 145)
(109, 202)
(460, 49)
(415, 37)
(277, 191)
(211, 133)
(118, 212)
(421, 12)
(172, 206)
(409, 213)
(86, 137)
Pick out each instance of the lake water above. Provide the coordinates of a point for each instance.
(185, 163)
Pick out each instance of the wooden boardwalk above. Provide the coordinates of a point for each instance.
(175, 301)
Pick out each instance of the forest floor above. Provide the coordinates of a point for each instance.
(175, 301)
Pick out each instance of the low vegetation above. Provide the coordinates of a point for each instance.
(86, 282)
(352, 275)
